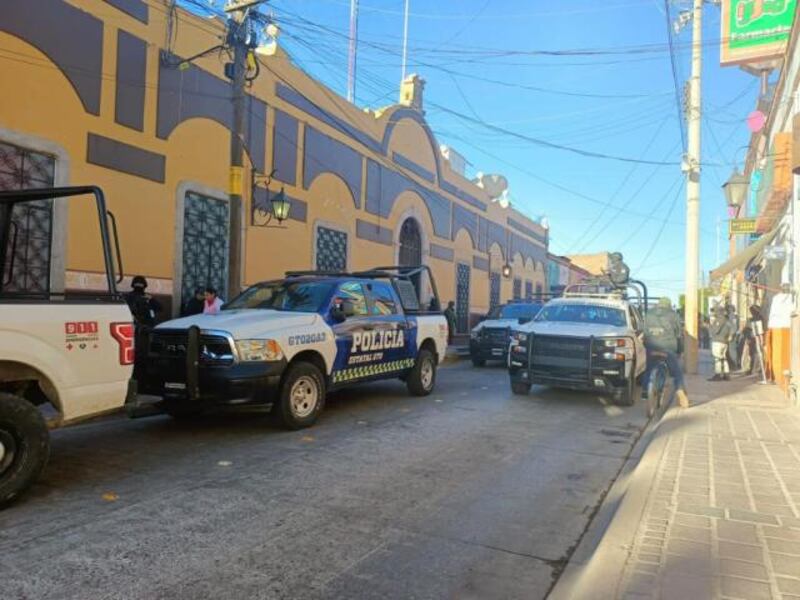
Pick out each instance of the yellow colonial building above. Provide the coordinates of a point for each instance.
(96, 92)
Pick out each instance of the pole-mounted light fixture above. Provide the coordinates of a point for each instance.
(735, 189)
(265, 209)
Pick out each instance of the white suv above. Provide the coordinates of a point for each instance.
(588, 341)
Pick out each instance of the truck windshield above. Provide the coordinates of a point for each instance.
(515, 311)
(293, 296)
(583, 313)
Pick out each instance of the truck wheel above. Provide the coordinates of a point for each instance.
(302, 396)
(478, 362)
(520, 388)
(625, 396)
(422, 377)
(24, 446)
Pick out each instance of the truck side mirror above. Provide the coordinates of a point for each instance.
(342, 310)
(337, 314)
(348, 308)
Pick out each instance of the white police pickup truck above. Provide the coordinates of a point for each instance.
(590, 339)
(286, 343)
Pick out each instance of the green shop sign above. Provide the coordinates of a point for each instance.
(755, 30)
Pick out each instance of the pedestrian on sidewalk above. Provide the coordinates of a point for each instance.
(213, 302)
(721, 335)
(450, 315)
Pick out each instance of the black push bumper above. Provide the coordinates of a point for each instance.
(479, 350)
(239, 383)
(575, 365)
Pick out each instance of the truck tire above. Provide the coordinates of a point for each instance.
(625, 395)
(301, 396)
(478, 362)
(422, 377)
(24, 446)
(520, 388)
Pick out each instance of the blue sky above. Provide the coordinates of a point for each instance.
(619, 103)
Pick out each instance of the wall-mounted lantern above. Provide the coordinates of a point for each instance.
(507, 271)
(270, 206)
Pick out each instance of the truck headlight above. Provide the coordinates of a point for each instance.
(518, 337)
(258, 350)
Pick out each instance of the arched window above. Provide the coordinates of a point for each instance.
(410, 243)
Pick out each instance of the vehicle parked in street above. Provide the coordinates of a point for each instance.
(590, 339)
(68, 353)
(284, 344)
(489, 339)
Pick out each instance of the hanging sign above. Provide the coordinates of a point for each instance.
(737, 226)
(755, 30)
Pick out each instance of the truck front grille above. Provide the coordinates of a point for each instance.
(172, 344)
(544, 345)
(496, 335)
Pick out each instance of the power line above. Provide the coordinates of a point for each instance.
(674, 67)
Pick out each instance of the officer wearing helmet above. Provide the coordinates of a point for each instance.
(618, 272)
(663, 336)
(144, 307)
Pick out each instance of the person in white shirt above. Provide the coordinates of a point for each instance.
(213, 303)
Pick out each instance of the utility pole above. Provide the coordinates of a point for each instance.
(692, 168)
(353, 51)
(240, 41)
(405, 42)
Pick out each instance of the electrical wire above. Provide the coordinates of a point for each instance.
(674, 68)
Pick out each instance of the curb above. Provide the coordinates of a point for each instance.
(596, 567)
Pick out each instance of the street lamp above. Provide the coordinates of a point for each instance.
(735, 190)
(278, 206)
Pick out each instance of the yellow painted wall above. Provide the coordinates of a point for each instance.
(42, 104)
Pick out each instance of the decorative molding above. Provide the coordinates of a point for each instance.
(410, 165)
(95, 282)
(522, 228)
(323, 154)
(131, 74)
(374, 233)
(69, 36)
(480, 263)
(196, 93)
(284, 147)
(137, 9)
(442, 252)
(122, 157)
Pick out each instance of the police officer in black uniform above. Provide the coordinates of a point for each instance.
(144, 309)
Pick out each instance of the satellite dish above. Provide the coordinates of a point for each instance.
(494, 185)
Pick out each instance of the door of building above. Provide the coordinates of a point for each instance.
(410, 254)
(205, 245)
(32, 228)
(462, 298)
(494, 290)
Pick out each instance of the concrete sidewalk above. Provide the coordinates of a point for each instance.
(708, 507)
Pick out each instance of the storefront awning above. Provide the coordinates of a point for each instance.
(743, 258)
